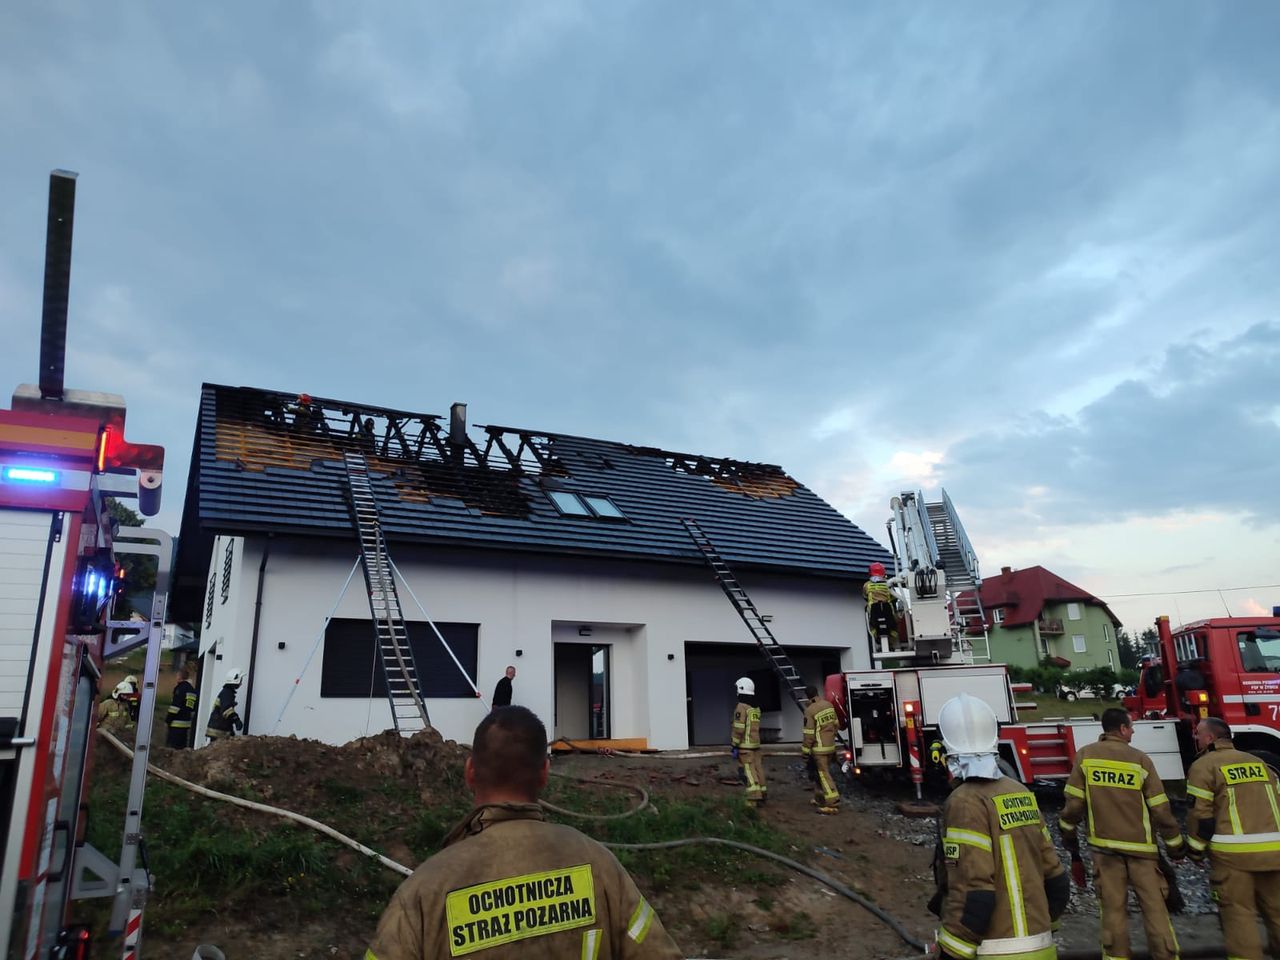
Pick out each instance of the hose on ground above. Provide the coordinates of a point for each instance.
(890, 921)
(401, 869)
(261, 808)
(644, 799)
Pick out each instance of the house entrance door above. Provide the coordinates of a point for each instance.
(583, 709)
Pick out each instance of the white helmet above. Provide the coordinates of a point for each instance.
(968, 726)
(235, 677)
(132, 680)
(123, 689)
(746, 685)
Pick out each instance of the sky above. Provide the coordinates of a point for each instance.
(1024, 252)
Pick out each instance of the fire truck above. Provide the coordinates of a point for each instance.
(62, 453)
(1226, 668)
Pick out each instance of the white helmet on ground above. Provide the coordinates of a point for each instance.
(746, 685)
(235, 677)
(968, 726)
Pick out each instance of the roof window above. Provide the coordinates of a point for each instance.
(592, 505)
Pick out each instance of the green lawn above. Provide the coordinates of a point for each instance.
(1049, 706)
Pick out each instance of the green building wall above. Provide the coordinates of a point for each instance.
(1024, 646)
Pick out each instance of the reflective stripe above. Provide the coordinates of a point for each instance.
(1013, 881)
(961, 948)
(1122, 845)
(1275, 811)
(1031, 947)
(1200, 792)
(1066, 826)
(1195, 843)
(971, 837)
(369, 955)
(1157, 800)
(591, 944)
(1246, 842)
(1236, 828)
(1071, 791)
(1174, 843)
(640, 922)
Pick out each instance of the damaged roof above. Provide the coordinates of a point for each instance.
(265, 461)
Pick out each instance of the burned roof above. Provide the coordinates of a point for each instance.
(265, 461)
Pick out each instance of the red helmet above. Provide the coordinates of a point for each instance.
(876, 569)
(304, 398)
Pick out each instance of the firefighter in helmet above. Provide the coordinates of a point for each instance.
(182, 711)
(116, 707)
(746, 740)
(1236, 820)
(224, 721)
(1116, 788)
(819, 748)
(1001, 885)
(882, 611)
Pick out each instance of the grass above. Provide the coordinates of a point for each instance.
(1048, 706)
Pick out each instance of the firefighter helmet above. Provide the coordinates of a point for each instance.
(746, 685)
(235, 677)
(123, 689)
(876, 569)
(968, 726)
(131, 679)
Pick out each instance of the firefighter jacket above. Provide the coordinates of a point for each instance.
(746, 727)
(1237, 809)
(224, 721)
(1004, 883)
(1117, 788)
(819, 729)
(510, 885)
(183, 709)
(877, 592)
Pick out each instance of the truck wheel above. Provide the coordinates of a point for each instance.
(1070, 696)
(1269, 758)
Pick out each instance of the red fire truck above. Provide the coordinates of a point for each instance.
(61, 453)
(1227, 668)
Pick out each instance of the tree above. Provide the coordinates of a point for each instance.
(1130, 650)
(139, 571)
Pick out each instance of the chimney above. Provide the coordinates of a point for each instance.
(458, 425)
(1006, 572)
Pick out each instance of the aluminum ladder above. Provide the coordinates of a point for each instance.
(391, 635)
(768, 645)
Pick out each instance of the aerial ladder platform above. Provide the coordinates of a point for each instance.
(391, 634)
(939, 579)
(766, 642)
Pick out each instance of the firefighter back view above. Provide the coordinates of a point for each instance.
(882, 613)
(1236, 818)
(1117, 788)
(745, 740)
(1003, 886)
(224, 721)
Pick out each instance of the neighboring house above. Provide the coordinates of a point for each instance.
(1034, 613)
(563, 556)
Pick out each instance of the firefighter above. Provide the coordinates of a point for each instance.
(819, 748)
(507, 884)
(116, 706)
(745, 741)
(224, 721)
(181, 711)
(1002, 886)
(882, 612)
(1236, 819)
(1117, 788)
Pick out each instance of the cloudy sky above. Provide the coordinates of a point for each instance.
(1027, 252)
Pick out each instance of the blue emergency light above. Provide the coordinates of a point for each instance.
(30, 475)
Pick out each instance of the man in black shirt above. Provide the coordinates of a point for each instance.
(502, 692)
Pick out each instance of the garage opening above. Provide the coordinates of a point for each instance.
(711, 670)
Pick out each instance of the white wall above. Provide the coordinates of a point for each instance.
(524, 603)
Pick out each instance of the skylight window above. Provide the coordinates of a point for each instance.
(604, 507)
(568, 503)
(592, 505)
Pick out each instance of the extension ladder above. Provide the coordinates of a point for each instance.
(391, 635)
(768, 645)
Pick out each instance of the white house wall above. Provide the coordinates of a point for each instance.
(523, 603)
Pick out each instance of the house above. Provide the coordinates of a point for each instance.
(1033, 613)
(563, 556)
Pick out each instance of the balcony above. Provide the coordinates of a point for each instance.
(1051, 627)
